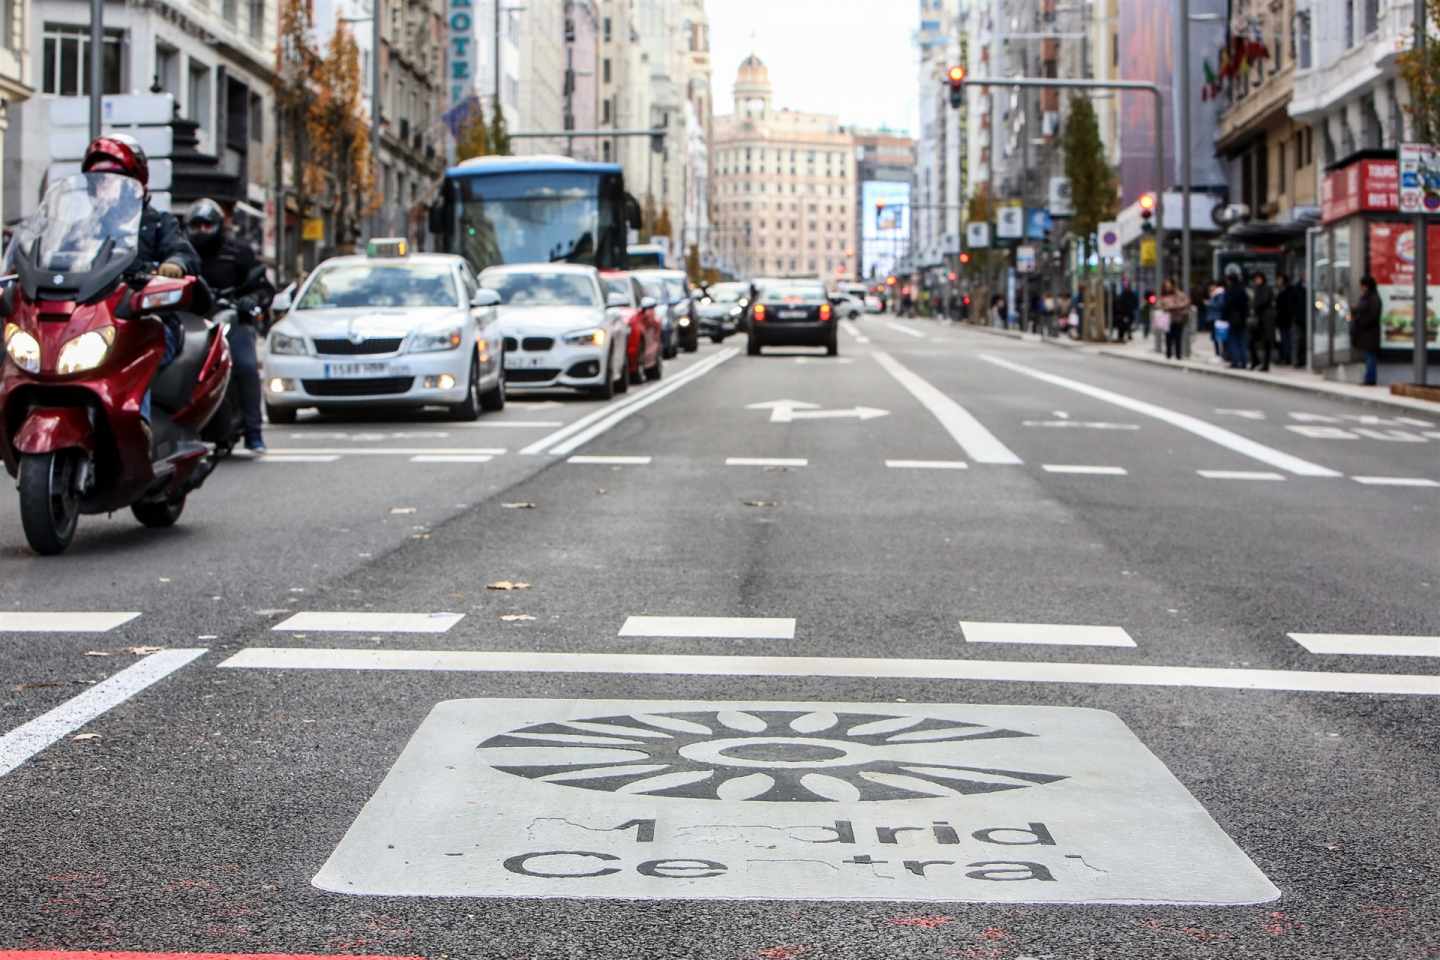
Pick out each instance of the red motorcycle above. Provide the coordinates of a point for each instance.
(84, 337)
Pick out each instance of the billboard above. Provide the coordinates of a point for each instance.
(1392, 264)
(885, 234)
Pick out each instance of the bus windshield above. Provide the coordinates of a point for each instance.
(533, 217)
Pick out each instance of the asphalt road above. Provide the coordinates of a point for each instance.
(1122, 753)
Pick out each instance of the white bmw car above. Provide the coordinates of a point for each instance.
(386, 330)
(561, 331)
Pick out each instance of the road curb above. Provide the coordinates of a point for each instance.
(1315, 389)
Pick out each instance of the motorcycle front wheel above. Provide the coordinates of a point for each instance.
(49, 501)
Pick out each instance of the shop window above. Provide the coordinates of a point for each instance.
(66, 60)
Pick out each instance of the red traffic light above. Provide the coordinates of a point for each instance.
(889, 281)
(966, 300)
(954, 276)
(1150, 299)
(964, 258)
(956, 75)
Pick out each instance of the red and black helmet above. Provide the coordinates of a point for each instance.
(117, 153)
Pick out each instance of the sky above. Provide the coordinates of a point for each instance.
(852, 58)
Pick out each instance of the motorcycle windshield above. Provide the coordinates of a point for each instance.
(86, 223)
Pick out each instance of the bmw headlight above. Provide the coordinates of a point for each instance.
(429, 341)
(585, 338)
(283, 343)
(22, 348)
(85, 352)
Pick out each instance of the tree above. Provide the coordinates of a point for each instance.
(647, 217)
(473, 139)
(662, 225)
(1422, 76)
(692, 264)
(499, 134)
(340, 136)
(295, 59)
(1092, 182)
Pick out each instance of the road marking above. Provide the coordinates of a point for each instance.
(1057, 634)
(722, 628)
(785, 801)
(613, 461)
(979, 444)
(453, 458)
(30, 738)
(1080, 425)
(484, 423)
(290, 452)
(299, 458)
(765, 462)
(1200, 428)
(137, 955)
(1362, 644)
(788, 411)
(1242, 414)
(1396, 481)
(1082, 469)
(565, 440)
(345, 621)
(926, 464)
(46, 621)
(824, 361)
(908, 331)
(466, 661)
(1239, 475)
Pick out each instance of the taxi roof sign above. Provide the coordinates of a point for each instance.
(387, 247)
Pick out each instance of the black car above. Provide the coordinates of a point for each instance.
(720, 309)
(792, 313)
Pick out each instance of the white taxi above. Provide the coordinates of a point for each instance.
(387, 329)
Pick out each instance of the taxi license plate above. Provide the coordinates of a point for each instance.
(516, 362)
(341, 371)
(793, 314)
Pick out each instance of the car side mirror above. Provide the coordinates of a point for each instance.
(485, 297)
(617, 300)
(647, 303)
(283, 301)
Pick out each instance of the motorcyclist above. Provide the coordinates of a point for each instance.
(227, 264)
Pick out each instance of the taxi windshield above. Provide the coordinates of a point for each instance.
(618, 285)
(84, 222)
(353, 285)
(541, 289)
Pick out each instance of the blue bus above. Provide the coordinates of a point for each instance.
(499, 210)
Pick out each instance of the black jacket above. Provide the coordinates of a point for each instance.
(229, 269)
(1126, 304)
(161, 239)
(1365, 322)
(1262, 301)
(1237, 306)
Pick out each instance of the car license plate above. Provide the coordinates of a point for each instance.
(793, 314)
(515, 361)
(341, 371)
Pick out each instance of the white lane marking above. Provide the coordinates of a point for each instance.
(453, 458)
(1321, 433)
(384, 451)
(299, 458)
(1396, 481)
(1242, 414)
(908, 331)
(348, 621)
(58, 621)
(582, 431)
(613, 461)
(824, 361)
(474, 661)
(788, 411)
(514, 424)
(722, 628)
(850, 330)
(1061, 415)
(1208, 431)
(1239, 475)
(1080, 425)
(1057, 634)
(1362, 644)
(765, 462)
(30, 738)
(1083, 469)
(926, 464)
(979, 444)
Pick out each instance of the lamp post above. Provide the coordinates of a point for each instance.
(97, 63)
(1421, 312)
(374, 20)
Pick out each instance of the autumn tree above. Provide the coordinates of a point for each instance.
(499, 134)
(1422, 76)
(474, 138)
(662, 225)
(295, 59)
(692, 264)
(1092, 182)
(340, 135)
(647, 217)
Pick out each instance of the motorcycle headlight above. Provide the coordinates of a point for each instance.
(85, 352)
(283, 343)
(585, 338)
(430, 341)
(22, 348)
(684, 321)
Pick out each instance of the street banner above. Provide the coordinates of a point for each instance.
(1108, 234)
(1010, 223)
(977, 236)
(1419, 178)
(1025, 259)
(1062, 201)
(1147, 251)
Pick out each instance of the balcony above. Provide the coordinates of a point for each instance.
(1339, 73)
(1256, 107)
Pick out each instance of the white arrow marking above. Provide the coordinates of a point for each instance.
(788, 411)
(1061, 415)
(1243, 414)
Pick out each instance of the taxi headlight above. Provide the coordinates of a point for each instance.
(430, 341)
(585, 338)
(85, 352)
(283, 343)
(22, 348)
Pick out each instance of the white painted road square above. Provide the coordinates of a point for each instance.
(1374, 645)
(1055, 634)
(683, 800)
(722, 628)
(346, 621)
(16, 621)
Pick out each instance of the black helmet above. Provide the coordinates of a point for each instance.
(205, 223)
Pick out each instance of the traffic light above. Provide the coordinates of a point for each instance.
(964, 259)
(955, 76)
(1147, 212)
(953, 276)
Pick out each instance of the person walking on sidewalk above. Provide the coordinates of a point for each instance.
(1236, 313)
(1126, 303)
(1287, 313)
(1365, 327)
(1262, 330)
(1215, 314)
(1174, 310)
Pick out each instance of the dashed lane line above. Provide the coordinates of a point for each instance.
(298, 458)
(1239, 475)
(926, 464)
(1396, 482)
(1372, 645)
(30, 738)
(384, 451)
(979, 444)
(351, 621)
(611, 461)
(453, 458)
(1084, 469)
(474, 661)
(718, 628)
(1219, 435)
(59, 621)
(1050, 634)
(766, 462)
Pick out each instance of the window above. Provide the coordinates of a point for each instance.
(1280, 170)
(1372, 16)
(257, 118)
(1350, 23)
(198, 94)
(257, 21)
(607, 29)
(230, 10)
(66, 60)
(605, 70)
(605, 112)
(1301, 37)
(167, 70)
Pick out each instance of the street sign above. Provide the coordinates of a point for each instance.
(950, 245)
(1062, 201)
(687, 800)
(1010, 223)
(312, 229)
(1147, 251)
(1419, 178)
(1025, 259)
(1108, 234)
(977, 236)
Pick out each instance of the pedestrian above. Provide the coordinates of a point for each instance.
(1173, 312)
(1365, 327)
(1147, 314)
(1236, 312)
(1262, 329)
(1126, 303)
(1215, 317)
(1285, 312)
(1300, 308)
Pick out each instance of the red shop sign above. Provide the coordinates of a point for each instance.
(1369, 186)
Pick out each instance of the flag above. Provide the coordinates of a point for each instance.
(460, 115)
(1211, 87)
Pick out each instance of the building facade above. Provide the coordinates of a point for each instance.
(15, 83)
(884, 170)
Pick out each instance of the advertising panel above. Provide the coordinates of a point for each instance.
(1370, 186)
(885, 234)
(1419, 178)
(1392, 264)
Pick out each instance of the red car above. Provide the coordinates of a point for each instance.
(644, 356)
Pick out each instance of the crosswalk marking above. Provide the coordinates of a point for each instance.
(612, 461)
(1396, 482)
(475, 661)
(1361, 644)
(15, 621)
(926, 464)
(1239, 475)
(453, 458)
(979, 444)
(344, 621)
(1084, 469)
(723, 628)
(1054, 634)
(765, 462)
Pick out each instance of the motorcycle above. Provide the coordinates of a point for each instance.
(226, 430)
(83, 321)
